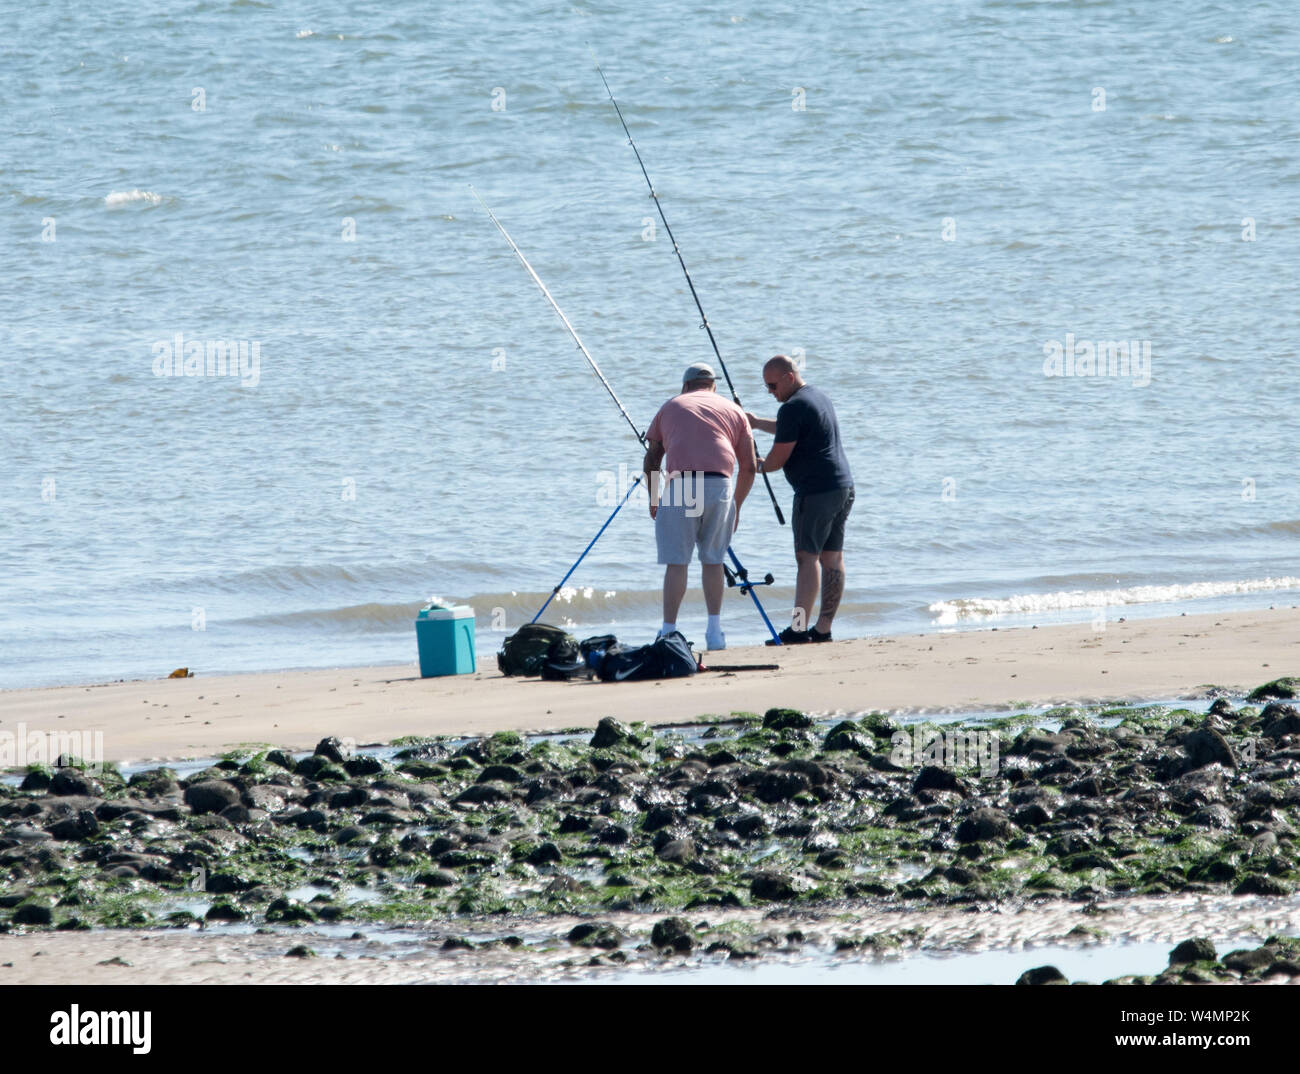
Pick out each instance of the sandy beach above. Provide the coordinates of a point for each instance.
(780, 838)
(171, 719)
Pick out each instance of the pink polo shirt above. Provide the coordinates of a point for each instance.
(700, 431)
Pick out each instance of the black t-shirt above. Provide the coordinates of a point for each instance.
(817, 463)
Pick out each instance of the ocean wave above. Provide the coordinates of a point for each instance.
(118, 198)
(954, 611)
(576, 607)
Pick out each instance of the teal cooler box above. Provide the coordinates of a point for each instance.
(445, 637)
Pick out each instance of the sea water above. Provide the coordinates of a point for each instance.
(271, 379)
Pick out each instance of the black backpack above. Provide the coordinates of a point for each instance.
(533, 645)
(667, 657)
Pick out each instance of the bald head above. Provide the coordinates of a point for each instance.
(779, 366)
(782, 377)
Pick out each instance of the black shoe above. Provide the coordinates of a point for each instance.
(790, 636)
(816, 635)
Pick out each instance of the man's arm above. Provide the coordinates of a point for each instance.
(654, 455)
(778, 456)
(763, 425)
(747, 461)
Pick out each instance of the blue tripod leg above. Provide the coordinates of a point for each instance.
(748, 587)
(589, 547)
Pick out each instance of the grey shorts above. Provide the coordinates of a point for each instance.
(818, 521)
(695, 512)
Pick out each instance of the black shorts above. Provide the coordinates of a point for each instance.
(818, 520)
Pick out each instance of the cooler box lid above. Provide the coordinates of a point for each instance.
(441, 611)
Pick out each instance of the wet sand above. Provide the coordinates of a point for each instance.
(414, 956)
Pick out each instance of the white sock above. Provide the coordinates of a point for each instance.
(667, 628)
(715, 622)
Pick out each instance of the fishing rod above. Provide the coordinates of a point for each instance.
(745, 585)
(704, 320)
(560, 313)
(556, 590)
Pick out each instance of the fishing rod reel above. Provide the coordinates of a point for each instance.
(739, 578)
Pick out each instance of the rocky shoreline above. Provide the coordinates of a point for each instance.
(778, 812)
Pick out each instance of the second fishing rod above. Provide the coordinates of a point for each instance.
(738, 577)
(704, 320)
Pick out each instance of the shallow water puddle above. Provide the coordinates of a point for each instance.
(1095, 963)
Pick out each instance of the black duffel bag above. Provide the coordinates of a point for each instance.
(667, 657)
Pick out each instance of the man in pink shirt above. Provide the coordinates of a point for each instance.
(702, 437)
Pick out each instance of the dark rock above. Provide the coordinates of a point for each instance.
(1212, 816)
(503, 772)
(661, 817)
(35, 780)
(613, 834)
(211, 796)
(1206, 746)
(363, 765)
(599, 934)
(283, 909)
(69, 781)
(1042, 975)
(749, 825)
(304, 818)
(545, 854)
(673, 934)
(771, 886)
(228, 883)
(847, 736)
(310, 767)
(680, 851)
(282, 759)
(1216, 871)
(1033, 741)
(223, 911)
(78, 827)
(984, 825)
(1250, 961)
(933, 778)
(437, 878)
(574, 822)
(33, 913)
(349, 798)
(385, 817)
(786, 719)
(335, 749)
(1280, 720)
(1255, 884)
(241, 814)
(1031, 816)
(611, 732)
(776, 785)
(1197, 950)
(1286, 687)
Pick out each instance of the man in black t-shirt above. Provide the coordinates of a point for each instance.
(808, 448)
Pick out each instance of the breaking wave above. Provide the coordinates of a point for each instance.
(956, 611)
